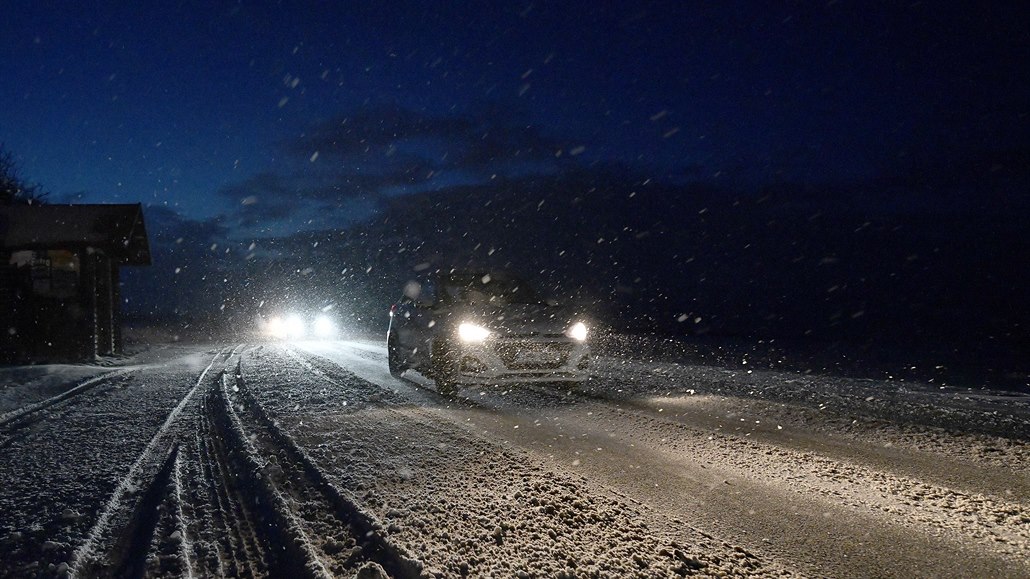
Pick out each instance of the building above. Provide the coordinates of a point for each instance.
(59, 279)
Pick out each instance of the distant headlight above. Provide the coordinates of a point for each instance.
(472, 333)
(578, 331)
(294, 326)
(324, 327)
(276, 327)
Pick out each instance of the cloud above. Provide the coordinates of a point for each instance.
(265, 202)
(372, 130)
(166, 226)
(262, 197)
(395, 136)
(265, 186)
(343, 168)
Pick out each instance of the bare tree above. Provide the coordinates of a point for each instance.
(13, 188)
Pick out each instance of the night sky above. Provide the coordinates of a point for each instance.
(219, 108)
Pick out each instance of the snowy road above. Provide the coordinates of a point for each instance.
(309, 459)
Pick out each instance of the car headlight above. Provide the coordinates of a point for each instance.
(472, 333)
(578, 332)
(276, 327)
(324, 327)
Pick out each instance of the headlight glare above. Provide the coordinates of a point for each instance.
(578, 331)
(276, 327)
(472, 333)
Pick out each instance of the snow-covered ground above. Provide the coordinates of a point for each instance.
(309, 459)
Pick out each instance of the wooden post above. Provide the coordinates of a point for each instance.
(105, 317)
(116, 309)
(90, 269)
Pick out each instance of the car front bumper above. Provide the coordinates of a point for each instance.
(522, 359)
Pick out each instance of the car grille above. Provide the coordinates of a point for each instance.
(529, 355)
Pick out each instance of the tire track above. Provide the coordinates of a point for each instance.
(129, 555)
(260, 539)
(185, 548)
(16, 424)
(104, 547)
(293, 479)
(20, 415)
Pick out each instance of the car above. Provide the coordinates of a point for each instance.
(483, 327)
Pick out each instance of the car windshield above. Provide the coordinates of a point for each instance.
(485, 289)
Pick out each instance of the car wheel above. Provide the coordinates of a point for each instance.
(443, 369)
(393, 357)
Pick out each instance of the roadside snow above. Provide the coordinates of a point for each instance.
(21, 386)
(991, 429)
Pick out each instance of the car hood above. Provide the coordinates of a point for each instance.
(520, 318)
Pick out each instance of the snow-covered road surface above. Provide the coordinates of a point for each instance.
(309, 459)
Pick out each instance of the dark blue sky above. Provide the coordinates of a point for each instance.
(219, 108)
